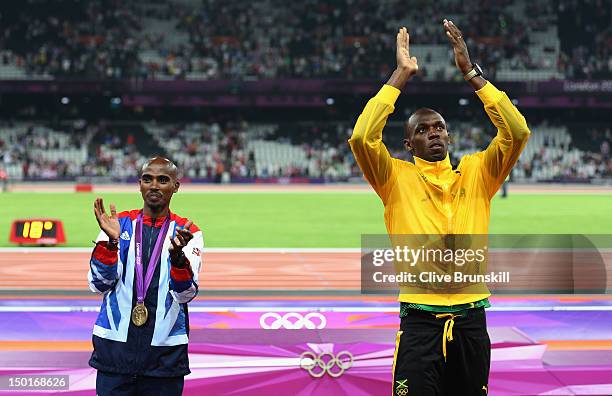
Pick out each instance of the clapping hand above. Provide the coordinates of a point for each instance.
(109, 224)
(181, 239)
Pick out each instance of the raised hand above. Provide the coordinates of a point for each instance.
(181, 239)
(108, 224)
(406, 65)
(462, 57)
(405, 62)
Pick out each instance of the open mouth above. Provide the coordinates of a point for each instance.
(436, 146)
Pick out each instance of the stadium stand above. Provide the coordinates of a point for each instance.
(518, 41)
(240, 151)
(351, 41)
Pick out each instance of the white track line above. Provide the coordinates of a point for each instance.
(393, 310)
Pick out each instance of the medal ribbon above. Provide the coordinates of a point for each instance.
(142, 287)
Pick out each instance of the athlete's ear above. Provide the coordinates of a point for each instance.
(177, 184)
(407, 145)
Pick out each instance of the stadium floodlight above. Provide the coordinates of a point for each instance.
(330, 101)
(463, 102)
(65, 100)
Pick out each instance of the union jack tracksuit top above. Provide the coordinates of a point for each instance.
(159, 347)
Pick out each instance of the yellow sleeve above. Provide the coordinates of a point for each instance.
(512, 133)
(366, 142)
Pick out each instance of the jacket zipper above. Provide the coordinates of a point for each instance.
(447, 204)
(140, 340)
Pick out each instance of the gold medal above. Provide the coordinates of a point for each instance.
(139, 314)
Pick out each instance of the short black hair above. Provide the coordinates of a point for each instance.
(409, 125)
(158, 159)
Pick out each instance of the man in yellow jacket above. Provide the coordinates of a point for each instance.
(443, 347)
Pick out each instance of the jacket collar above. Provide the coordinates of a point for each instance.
(437, 170)
(148, 220)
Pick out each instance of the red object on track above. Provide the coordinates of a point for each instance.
(83, 187)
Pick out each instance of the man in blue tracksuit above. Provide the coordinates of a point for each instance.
(145, 264)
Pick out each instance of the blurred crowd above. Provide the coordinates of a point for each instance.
(70, 38)
(585, 33)
(222, 152)
(306, 39)
(111, 154)
(35, 151)
(20, 147)
(231, 39)
(207, 150)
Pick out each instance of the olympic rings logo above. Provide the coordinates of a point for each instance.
(326, 362)
(292, 321)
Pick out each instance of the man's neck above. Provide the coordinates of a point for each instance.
(155, 212)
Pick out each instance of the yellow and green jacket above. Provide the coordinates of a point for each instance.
(431, 197)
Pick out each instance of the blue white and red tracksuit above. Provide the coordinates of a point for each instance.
(159, 347)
